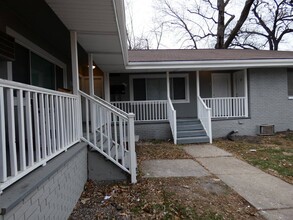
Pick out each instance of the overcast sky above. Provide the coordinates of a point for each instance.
(143, 12)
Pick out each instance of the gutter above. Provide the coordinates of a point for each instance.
(120, 17)
(201, 65)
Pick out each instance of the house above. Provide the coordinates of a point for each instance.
(62, 64)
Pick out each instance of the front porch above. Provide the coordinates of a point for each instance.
(173, 97)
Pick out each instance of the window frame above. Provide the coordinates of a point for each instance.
(160, 76)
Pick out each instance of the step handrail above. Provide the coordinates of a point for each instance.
(204, 115)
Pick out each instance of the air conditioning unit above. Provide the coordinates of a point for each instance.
(266, 129)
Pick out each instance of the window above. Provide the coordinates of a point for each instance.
(290, 83)
(33, 65)
(30, 68)
(155, 87)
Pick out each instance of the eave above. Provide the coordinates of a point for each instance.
(207, 65)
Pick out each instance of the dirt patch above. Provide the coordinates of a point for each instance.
(272, 154)
(163, 198)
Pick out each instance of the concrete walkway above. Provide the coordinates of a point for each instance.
(270, 195)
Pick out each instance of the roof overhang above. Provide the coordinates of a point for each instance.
(100, 27)
(206, 65)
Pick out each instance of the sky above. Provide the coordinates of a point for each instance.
(143, 12)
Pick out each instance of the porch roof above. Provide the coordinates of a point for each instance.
(100, 27)
(205, 55)
(205, 59)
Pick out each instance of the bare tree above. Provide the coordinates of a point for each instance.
(205, 20)
(270, 23)
(142, 40)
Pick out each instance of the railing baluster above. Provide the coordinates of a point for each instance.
(57, 123)
(87, 126)
(3, 161)
(11, 132)
(121, 136)
(21, 138)
(37, 127)
(53, 128)
(108, 117)
(43, 128)
(115, 137)
(48, 127)
(62, 118)
(29, 129)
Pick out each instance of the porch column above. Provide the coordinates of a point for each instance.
(107, 86)
(91, 75)
(168, 85)
(92, 92)
(197, 84)
(75, 79)
(246, 92)
(74, 61)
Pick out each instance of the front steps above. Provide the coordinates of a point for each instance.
(191, 131)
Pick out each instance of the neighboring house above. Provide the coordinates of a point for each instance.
(49, 49)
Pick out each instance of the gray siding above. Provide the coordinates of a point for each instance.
(188, 110)
(268, 104)
(157, 130)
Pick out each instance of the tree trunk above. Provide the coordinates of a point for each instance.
(221, 24)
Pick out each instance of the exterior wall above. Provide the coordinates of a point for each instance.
(57, 196)
(188, 110)
(154, 130)
(268, 104)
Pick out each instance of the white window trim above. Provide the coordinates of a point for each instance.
(39, 51)
(162, 76)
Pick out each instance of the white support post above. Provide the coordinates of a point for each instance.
(75, 78)
(92, 92)
(3, 162)
(74, 61)
(131, 146)
(197, 84)
(107, 86)
(246, 92)
(168, 84)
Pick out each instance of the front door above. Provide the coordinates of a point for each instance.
(221, 85)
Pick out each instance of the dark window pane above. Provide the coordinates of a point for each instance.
(20, 67)
(43, 73)
(139, 92)
(156, 89)
(290, 82)
(178, 88)
(59, 77)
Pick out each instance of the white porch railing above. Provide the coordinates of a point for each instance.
(36, 125)
(171, 113)
(227, 107)
(154, 110)
(204, 115)
(109, 131)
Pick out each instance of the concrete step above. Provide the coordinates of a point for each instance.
(191, 133)
(193, 140)
(189, 127)
(188, 122)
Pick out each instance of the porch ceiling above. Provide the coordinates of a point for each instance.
(100, 26)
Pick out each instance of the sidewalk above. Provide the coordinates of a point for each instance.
(270, 195)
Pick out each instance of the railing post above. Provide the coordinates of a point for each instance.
(3, 162)
(210, 125)
(246, 92)
(175, 127)
(131, 146)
